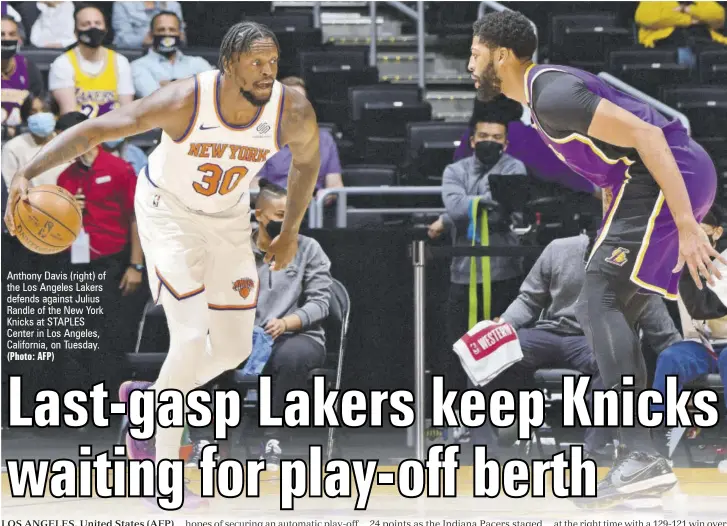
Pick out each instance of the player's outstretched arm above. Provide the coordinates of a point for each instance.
(299, 130)
(169, 108)
(615, 125)
(159, 110)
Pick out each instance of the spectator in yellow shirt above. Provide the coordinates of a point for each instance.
(682, 25)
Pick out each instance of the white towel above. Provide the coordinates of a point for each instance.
(487, 349)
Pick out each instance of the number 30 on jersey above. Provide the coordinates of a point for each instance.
(218, 181)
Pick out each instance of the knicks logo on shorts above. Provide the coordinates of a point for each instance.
(243, 287)
(618, 257)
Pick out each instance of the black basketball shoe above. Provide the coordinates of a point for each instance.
(635, 475)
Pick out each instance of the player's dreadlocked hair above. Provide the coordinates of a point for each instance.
(508, 29)
(239, 39)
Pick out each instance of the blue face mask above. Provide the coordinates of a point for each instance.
(112, 145)
(42, 124)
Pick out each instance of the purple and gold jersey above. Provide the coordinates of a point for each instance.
(567, 98)
(15, 88)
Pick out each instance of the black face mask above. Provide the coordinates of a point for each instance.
(166, 45)
(92, 37)
(273, 228)
(9, 48)
(488, 152)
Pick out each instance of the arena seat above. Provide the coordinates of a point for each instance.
(713, 67)
(648, 70)
(357, 58)
(705, 106)
(430, 148)
(566, 29)
(383, 128)
(328, 88)
(379, 115)
(285, 21)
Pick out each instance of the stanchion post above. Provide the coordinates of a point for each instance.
(419, 264)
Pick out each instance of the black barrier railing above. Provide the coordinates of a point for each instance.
(420, 253)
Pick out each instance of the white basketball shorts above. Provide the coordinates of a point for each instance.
(191, 253)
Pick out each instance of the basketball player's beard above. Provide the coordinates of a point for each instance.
(250, 97)
(490, 84)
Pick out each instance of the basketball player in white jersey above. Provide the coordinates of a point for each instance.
(192, 205)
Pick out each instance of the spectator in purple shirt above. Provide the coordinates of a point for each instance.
(277, 167)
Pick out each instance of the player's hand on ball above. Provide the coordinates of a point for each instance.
(696, 251)
(275, 328)
(18, 191)
(281, 251)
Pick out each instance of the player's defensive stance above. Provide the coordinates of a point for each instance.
(192, 204)
(663, 184)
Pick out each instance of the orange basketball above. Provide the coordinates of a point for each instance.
(49, 221)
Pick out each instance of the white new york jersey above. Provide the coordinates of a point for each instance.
(209, 169)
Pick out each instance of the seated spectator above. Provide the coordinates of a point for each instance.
(681, 25)
(90, 78)
(461, 183)
(130, 153)
(291, 306)
(704, 322)
(543, 314)
(524, 144)
(54, 26)
(39, 114)
(104, 185)
(131, 21)
(277, 167)
(164, 62)
(20, 77)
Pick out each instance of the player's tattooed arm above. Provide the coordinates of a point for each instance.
(169, 108)
(300, 133)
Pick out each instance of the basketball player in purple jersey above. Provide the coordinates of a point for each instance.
(662, 183)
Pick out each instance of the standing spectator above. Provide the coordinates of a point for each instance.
(131, 21)
(104, 185)
(681, 25)
(39, 114)
(277, 167)
(291, 307)
(20, 77)
(90, 78)
(130, 153)
(54, 26)
(462, 182)
(164, 62)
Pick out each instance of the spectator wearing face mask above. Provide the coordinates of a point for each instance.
(39, 114)
(291, 306)
(164, 62)
(90, 78)
(132, 19)
(20, 77)
(463, 182)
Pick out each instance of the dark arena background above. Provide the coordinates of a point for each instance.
(391, 89)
